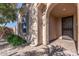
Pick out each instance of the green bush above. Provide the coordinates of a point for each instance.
(15, 40)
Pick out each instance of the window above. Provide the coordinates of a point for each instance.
(25, 23)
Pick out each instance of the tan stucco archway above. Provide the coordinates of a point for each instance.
(45, 28)
(59, 11)
(46, 17)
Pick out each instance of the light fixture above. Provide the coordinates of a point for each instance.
(64, 9)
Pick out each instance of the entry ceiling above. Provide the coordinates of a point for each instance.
(64, 9)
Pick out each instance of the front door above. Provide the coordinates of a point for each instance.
(67, 26)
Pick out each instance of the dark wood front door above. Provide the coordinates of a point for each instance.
(67, 26)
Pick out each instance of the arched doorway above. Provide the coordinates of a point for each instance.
(62, 21)
(57, 15)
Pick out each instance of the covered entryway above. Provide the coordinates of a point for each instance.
(62, 26)
(62, 22)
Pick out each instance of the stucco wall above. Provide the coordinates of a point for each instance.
(54, 27)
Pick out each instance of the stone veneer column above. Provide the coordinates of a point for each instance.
(34, 27)
(45, 30)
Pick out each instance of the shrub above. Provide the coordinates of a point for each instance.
(15, 40)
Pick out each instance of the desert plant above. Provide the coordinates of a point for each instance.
(15, 40)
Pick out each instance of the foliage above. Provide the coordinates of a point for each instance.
(7, 12)
(15, 40)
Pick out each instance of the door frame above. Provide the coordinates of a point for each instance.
(72, 24)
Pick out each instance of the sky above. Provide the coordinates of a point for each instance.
(13, 24)
(19, 5)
